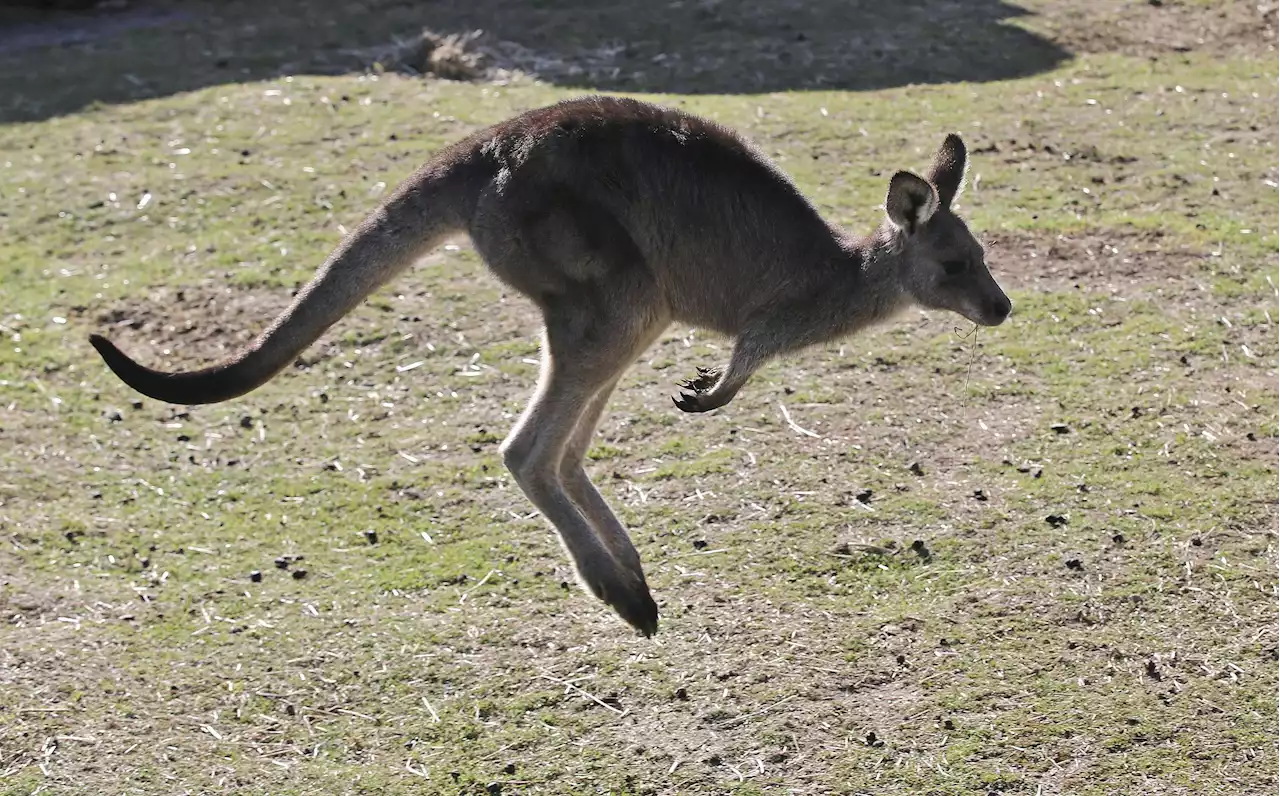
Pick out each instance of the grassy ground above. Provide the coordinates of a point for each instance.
(1038, 561)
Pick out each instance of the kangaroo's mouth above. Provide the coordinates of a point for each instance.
(993, 314)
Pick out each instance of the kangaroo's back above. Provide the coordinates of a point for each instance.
(719, 226)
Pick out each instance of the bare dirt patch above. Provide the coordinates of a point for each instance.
(1157, 27)
(202, 320)
(23, 602)
(210, 320)
(1127, 264)
(30, 29)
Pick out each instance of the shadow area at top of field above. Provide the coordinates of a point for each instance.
(58, 62)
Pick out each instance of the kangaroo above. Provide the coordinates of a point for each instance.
(616, 218)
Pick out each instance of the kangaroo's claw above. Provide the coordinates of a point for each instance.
(690, 398)
(705, 380)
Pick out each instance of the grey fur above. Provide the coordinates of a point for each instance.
(616, 218)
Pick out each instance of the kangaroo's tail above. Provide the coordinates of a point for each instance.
(434, 203)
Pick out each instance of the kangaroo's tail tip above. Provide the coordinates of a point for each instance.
(119, 362)
(130, 372)
(104, 346)
(208, 386)
(114, 357)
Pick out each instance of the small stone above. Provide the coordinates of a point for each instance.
(246, 422)
(281, 563)
(948, 724)
(864, 497)
(255, 576)
(699, 544)
(299, 574)
(916, 468)
(1117, 539)
(112, 415)
(682, 694)
(371, 536)
(1056, 520)
(1060, 428)
(509, 769)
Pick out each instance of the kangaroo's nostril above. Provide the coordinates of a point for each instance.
(1001, 308)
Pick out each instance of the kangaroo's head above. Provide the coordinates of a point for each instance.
(942, 264)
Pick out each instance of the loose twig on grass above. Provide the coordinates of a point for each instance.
(571, 687)
(755, 713)
(483, 581)
(794, 426)
(434, 716)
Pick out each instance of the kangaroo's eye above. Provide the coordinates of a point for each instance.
(955, 267)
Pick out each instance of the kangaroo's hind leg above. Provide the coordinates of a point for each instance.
(586, 347)
(583, 492)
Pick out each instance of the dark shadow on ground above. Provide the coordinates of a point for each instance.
(57, 63)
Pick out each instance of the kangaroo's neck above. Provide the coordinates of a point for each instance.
(873, 291)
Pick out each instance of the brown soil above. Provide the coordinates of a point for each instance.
(1156, 27)
(1131, 265)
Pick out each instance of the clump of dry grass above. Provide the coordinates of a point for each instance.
(454, 56)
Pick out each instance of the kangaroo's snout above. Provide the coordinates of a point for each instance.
(997, 311)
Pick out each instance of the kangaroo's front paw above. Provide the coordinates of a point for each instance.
(690, 398)
(705, 380)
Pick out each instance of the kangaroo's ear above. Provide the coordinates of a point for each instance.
(911, 201)
(947, 172)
